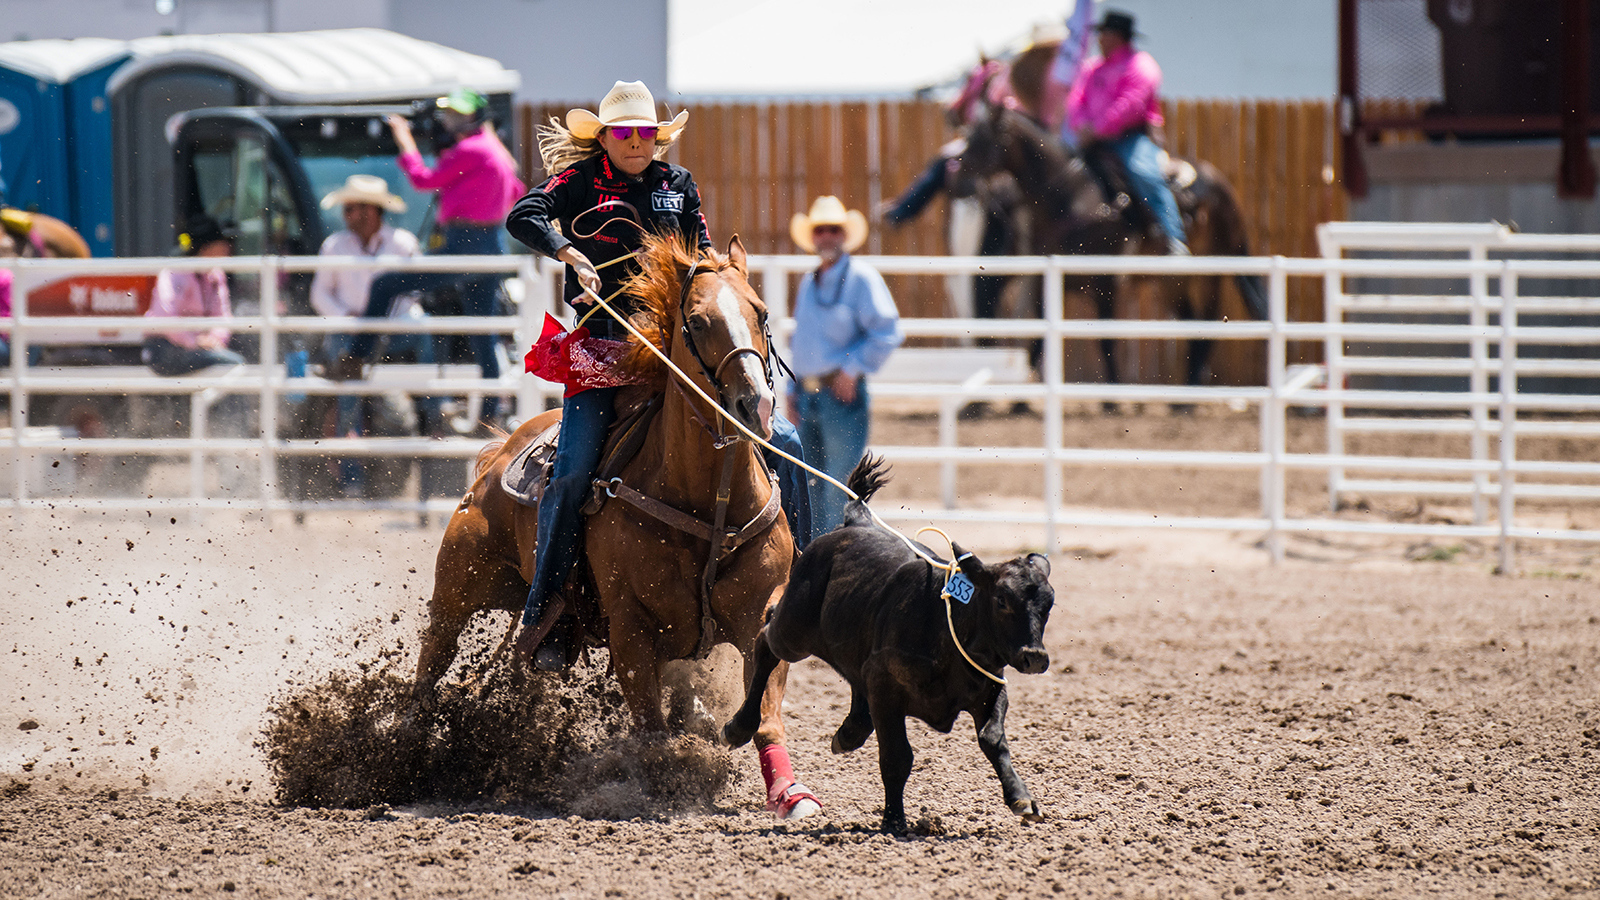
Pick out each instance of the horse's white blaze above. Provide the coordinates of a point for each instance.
(739, 332)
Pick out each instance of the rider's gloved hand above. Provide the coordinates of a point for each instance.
(588, 278)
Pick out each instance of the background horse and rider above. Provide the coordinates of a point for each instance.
(1033, 194)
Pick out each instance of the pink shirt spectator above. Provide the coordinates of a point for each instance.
(1116, 95)
(5, 294)
(476, 179)
(190, 295)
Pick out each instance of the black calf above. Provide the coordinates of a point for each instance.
(862, 602)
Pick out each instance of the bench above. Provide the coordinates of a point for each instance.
(954, 365)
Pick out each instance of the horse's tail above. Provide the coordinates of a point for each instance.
(1233, 239)
(870, 474)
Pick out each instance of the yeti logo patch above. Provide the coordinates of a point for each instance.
(667, 202)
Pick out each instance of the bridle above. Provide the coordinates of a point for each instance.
(714, 375)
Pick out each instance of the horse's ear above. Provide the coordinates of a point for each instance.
(736, 255)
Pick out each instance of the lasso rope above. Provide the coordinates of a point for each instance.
(950, 567)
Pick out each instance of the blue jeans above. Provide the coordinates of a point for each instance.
(1142, 159)
(477, 296)
(586, 418)
(834, 435)
(796, 498)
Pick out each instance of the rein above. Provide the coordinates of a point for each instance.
(755, 438)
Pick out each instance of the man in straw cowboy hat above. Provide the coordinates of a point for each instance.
(343, 293)
(593, 159)
(846, 325)
(476, 178)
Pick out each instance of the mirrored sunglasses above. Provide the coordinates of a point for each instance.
(625, 132)
(828, 229)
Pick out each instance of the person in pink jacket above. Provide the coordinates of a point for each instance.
(1114, 105)
(181, 294)
(476, 178)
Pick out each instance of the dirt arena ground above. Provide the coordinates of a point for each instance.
(1374, 717)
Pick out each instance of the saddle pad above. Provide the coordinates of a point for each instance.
(525, 477)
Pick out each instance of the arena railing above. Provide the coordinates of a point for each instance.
(1287, 386)
(1477, 303)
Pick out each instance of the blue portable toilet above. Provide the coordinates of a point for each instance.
(55, 131)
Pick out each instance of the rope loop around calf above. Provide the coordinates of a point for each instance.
(950, 569)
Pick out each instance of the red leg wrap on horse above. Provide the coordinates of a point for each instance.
(783, 792)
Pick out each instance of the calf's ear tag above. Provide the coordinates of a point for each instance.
(959, 587)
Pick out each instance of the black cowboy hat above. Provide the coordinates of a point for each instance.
(203, 230)
(1117, 21)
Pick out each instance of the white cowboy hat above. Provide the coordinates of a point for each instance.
(627, 103)
(1049, 32)
(829, 210)
(365, 189)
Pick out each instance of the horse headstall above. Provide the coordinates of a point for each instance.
(714, 375)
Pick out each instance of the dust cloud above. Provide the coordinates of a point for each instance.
(220, 654)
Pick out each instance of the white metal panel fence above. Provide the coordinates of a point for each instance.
(1286, 386)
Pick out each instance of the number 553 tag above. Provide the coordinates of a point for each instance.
(959, 587)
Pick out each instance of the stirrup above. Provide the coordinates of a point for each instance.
(552, 653)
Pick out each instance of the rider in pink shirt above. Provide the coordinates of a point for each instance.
(1113, 105)
(1116, 93)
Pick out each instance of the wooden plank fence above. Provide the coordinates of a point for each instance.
(757, 163)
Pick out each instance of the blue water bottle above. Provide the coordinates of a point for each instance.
(295, 362)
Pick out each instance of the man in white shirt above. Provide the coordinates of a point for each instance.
(343, 293)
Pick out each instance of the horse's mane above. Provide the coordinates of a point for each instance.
(664, 261)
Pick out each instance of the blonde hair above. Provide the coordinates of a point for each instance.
(559, 148)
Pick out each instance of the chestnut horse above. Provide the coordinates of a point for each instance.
(647, 575)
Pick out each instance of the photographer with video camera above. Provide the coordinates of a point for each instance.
(476, 178)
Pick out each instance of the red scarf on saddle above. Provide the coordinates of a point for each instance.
(575, 359)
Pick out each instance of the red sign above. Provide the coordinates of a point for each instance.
(93, 295)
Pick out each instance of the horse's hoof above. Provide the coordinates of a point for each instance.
(796, 802)
(734, 736)
(805, 807)
(842, 745)
(1028, 810)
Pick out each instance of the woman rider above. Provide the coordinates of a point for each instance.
(616, 155)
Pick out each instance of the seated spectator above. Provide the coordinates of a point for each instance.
(343, 293)
(191, 295)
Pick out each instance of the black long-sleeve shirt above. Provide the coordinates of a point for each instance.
(665, 196)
